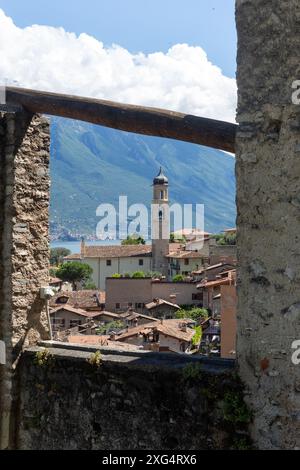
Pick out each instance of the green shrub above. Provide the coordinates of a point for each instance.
(138, 275)
(197, 336)
(178, 278)
(235, 409)
(195, 313)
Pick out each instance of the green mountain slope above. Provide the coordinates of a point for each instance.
(91, 165)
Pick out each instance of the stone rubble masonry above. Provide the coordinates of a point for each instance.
(24, 252)
(129, 401)
(268, 241)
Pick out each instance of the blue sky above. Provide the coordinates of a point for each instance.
(140, 25)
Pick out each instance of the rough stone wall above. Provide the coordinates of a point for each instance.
(268, 169)
(132, 401)
(222, 253)
(24, 255)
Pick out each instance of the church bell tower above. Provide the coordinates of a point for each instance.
(160, 223)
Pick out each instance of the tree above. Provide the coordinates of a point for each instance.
(116, 276)
(178, 278)
(57, 255)
(225, 239)
(134, 240)
(111, 326)
(74, 272)
(196, 314)
(89, 285)
(197, 337)
(172, 237)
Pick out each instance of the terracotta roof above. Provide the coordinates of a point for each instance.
(175, 247)
(185, 254)
(214, 266)
(73, 256)
(166, 327)
(85, 299)
(55, 280)
(191, 231)
(109, 314)
(102, 340)
(89, 339)
(159, 302)
(131, 315)
(216, 297)
(77, 311)
(117, 251)
(218, 282)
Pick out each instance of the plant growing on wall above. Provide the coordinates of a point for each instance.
(138, 275)
(95, 359)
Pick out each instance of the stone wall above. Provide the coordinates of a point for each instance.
(222, 253)
(130, 401)
(268, 168)
(24, 255)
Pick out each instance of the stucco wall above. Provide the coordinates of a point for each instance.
(118, 265)
(183, 290)
(228, 321)
(268, 169)
(126, 291)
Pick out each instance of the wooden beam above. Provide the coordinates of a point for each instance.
(130, 118)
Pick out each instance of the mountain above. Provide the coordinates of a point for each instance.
(91, 165)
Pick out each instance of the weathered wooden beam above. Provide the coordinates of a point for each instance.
(130, 118)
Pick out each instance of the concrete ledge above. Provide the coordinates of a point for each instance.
(142, 358)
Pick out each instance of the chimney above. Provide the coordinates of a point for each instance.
(82, 247)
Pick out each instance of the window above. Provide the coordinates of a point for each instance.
(139, 305)
(129, 304)
(62, 299)
(141, 262)
(161, 195)
(74, 323)
(198, 296)
(118, 306)
(108, 262)
(58, 322)
(186, 262)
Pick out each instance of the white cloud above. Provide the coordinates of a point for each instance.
(52, 59)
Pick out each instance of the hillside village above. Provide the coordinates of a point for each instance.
(176, 295)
